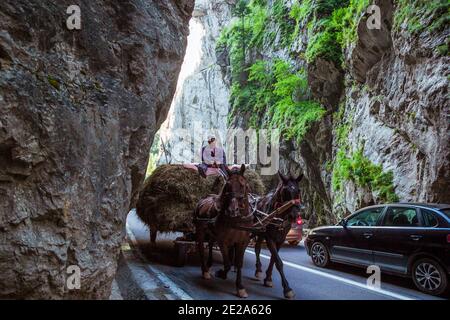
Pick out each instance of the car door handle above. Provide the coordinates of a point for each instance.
(415, 237)
(368, 235)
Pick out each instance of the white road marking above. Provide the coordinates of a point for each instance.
(341, 279)
(178, 292)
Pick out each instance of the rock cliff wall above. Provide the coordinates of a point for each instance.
(399, 108)
(78, 111)
(364, 111)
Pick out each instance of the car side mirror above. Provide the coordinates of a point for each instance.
(343, 223)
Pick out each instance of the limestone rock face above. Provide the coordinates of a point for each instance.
(78, 111)
(390, 98)
(326, 82)
(373, 43)
(201, 103)
(401, 114)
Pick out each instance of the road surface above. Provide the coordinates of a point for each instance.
(309, 282)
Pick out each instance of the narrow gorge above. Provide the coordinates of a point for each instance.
(357, 88)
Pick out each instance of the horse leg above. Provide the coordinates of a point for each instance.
(200, 237)
(258, 243)
(274, 248)
(210, 254)
(232, 256)
(239, 261)
(268, 279)
(224, 249)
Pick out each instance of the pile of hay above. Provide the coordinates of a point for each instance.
(171, 192)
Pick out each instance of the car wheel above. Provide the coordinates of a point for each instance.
(294, 242)
(319, 254)
(429, 276)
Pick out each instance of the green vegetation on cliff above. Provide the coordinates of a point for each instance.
(272, 47)
(365, 174)
(421, 15)
(276, 96)
(331, 26)
(292, 111)
(273, 92)
(355, 167)
(251, 31)
(417, 16)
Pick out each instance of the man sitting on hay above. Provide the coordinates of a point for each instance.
(212, 157)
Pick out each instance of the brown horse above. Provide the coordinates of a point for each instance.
(275, 235)
(231, 211)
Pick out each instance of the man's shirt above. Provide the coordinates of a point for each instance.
(214, 154)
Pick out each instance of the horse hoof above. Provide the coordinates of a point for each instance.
(206, 276)
(221, 274)
(242, 293)
(289, 294)
(268, 283)
(259, 275)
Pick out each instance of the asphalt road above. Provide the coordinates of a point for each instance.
(309, 282)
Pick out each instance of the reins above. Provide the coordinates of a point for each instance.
(276, 208)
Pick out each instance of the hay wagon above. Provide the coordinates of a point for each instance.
(169, 196)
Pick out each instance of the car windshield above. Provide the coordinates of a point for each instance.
(446, 211)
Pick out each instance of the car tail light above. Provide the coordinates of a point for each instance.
(448, 238)
(300, 222)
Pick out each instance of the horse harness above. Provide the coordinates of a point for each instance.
(262, 218)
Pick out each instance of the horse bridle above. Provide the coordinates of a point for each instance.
(280, 191)
(239, 196)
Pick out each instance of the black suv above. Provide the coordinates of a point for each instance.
(407, 239)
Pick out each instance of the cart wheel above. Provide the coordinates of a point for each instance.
(180, 254)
